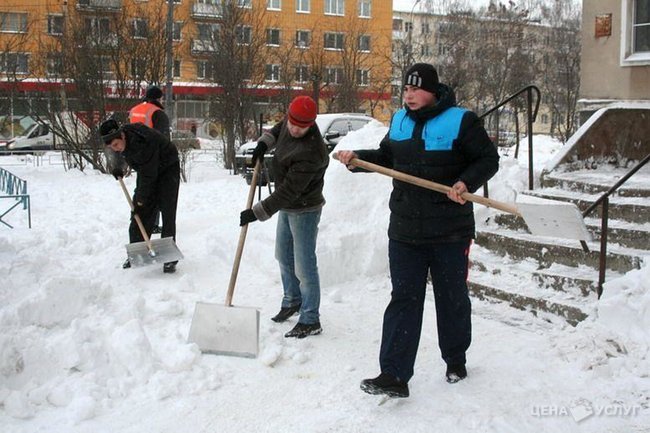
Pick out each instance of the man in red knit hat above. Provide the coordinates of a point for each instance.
(299, 164)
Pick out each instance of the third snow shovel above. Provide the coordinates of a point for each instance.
(543, 218)
(151, 251)
(225, 329)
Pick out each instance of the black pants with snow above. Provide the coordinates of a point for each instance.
(165, 200)
(409, 267)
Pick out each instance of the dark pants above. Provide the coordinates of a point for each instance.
(165, 199)
(409, 267)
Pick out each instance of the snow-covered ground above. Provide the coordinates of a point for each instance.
(86, 346)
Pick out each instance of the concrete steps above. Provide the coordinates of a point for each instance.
(555, 276)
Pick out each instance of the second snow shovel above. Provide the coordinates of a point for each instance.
(150, 251)
(225, 329)
(543, 217)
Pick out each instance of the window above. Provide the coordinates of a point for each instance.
(204, 70)
(176, 69)
(273, 4)
(365, 7)
(140, 28)
(273, 37)
(303, 6)
(408, 26)
(335, 7)
(208, 32)
(302, 74)
(426, 50)
(138, 68)
(272, 73)
(334, 75)
(14, 63)
(176, 30)
(11, 22)
(364, 43)
(635, 41)
(363, 77)
(55, 24)
(426, 28)
(244, 34)
(105, 67)
(98, 27)
(333, 41)
(54, 65)
(545, 119)
(245, 3)
(303, 38)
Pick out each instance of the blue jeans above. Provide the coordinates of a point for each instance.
(295, 250)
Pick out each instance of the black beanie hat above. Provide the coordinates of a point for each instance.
(153, 92)
(109, 130)
(422, 75)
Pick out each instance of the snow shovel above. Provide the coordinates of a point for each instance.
(543, 217)
(224, 329)
(151, 251)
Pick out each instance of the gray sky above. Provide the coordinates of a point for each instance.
(407, 5)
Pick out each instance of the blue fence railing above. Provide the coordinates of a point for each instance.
(15, 188)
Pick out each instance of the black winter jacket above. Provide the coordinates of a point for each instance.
(420, 215)
(149, 153)
(299, 166)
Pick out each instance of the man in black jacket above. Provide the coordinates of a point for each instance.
(299, 164)
(429, 233)
(155, 159)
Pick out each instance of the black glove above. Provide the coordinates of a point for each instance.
(247, 216)
(117, 173)
(258, 153)
(138, 207)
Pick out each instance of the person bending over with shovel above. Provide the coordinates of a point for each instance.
(429, 233)
(299, 164)
(155, 159)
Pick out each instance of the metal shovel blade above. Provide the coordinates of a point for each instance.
(222, 330)
(165, 251)
(554, 219)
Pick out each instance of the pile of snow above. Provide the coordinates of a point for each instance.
(86, 346)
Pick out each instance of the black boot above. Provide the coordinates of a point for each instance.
(285, 313)
(456, 373)
(385, 384)
(302, 330)
(126, 264)
(169, 267)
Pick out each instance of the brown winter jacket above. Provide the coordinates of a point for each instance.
(299, 166)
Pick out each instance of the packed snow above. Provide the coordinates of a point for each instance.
(86, 346)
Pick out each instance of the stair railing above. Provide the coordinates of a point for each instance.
(604, 217)
(531, 115)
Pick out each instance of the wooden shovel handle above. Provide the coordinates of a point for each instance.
(242, 237)
(137, 217)
(506, 207)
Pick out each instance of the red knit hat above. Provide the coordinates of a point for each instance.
(302, 111)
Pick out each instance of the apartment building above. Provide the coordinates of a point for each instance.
(315, 47)
(486, 56)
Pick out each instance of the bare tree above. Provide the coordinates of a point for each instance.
(13, 67)
(561, 75)
(235, 52)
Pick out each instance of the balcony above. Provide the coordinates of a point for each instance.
(206, 11)
(203, 46)
(99, 5)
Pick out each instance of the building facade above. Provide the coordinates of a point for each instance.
(302, 47)
(615, 53)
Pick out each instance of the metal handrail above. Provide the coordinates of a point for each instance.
(604, 219)
(531, 116)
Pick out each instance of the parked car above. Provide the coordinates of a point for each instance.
(36, 137)
(333, 127)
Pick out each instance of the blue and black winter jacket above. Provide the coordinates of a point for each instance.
(443, 144)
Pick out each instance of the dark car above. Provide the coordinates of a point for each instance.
(333, 127)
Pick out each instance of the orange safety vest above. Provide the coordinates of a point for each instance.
(143, 113)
